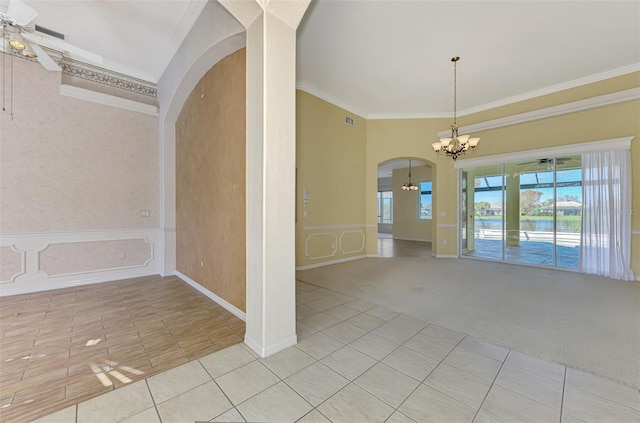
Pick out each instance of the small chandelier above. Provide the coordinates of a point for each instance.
(410, 186)
(456, 145)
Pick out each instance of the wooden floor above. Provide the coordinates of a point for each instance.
(62, 347)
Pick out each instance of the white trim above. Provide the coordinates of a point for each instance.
(266, 352)
(17, 290)
(635, 232)
(23, 263)
(562, 109)
(303, 86)
(553, 89)
(413, 239)
(432, 115)
(253, 346)
(77, 236)
(59, 275)
(563, 150)
(335, 245)
(354, 251)
(106, 99)
(347, 226)
(329, 263)
(445, 256)
(224, 304)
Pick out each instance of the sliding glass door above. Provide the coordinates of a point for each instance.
(525, 212)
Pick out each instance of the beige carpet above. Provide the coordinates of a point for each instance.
(585, 322)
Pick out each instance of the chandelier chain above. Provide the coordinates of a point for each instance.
(455, 90)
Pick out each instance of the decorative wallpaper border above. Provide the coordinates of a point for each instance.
(97, 74)
(103, 76)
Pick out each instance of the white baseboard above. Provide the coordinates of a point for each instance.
(27, 289)
(224, 304)
(445, 256)
(412, 239)
(328, 263)
(273, 349)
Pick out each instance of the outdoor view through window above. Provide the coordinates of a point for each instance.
(527, 212)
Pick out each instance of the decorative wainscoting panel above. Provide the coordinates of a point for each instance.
(12, 263)
(42, 261)
(72, 258)
(319, 246)
(351, 242)
(330, 244)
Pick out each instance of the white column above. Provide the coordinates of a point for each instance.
(271, 160)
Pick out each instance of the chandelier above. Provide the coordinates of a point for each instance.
(410, 186)
(456, 145)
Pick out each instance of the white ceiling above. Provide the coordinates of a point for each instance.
(134, 37)
(393, 58)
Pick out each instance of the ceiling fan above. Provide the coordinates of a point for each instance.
(22, 34)
(548, 161)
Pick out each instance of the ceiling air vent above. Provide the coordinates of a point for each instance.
(49, 32)
(348, 120)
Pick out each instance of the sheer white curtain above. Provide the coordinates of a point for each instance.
(606, 220)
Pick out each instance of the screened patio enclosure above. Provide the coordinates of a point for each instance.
(527, 212)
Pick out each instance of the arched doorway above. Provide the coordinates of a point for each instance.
(404, 207)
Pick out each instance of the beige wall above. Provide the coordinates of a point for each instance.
(210, 181)
(393, 138)
(406, 224)
(331, 158)
(389, 139)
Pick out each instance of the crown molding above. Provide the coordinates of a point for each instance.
(109, 100)
(303, 86)
(554, 88)
(488, 106)
(562, 109)
(381, 116)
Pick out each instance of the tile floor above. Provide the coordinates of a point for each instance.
(358, 362)
(65, 346)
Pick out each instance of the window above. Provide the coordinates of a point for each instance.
(424, 205)
(385, 206)
(526, 212)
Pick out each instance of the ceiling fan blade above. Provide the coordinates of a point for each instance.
(44, 59)
(60, 45)
(20, 13)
